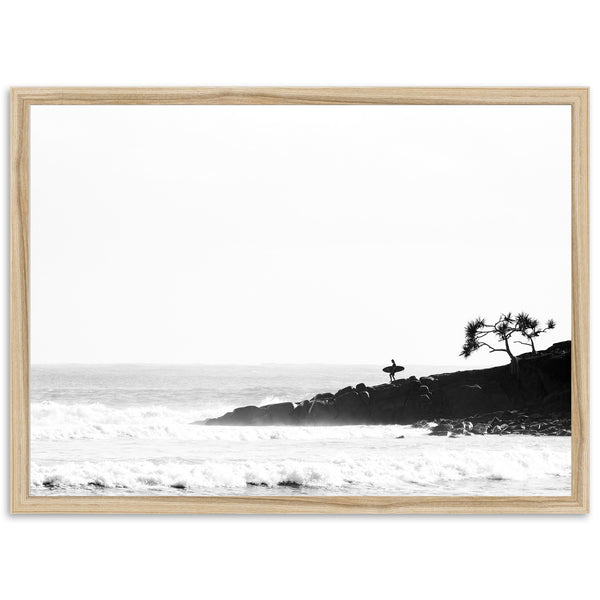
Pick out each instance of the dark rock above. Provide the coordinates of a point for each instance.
(351, 408)
(278, 414)
(480, 428)
(365, 397)
(494, 422)
(444, 427)
(343, 391)
(322, 413)
(560, 348)
(539, 401)
(301, 410)
(499, 428)
(245, 415)
(246, 411)
(324, 396)
(559, 400)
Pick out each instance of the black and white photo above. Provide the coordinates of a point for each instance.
(369, 300)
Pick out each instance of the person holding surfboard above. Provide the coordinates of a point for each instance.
(392, 370)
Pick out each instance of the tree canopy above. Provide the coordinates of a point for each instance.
(479, 334)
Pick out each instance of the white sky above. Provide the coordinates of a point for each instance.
(291, 234)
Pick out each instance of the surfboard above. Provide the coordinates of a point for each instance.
(392, 369)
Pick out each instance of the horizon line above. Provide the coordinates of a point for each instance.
(257, 364)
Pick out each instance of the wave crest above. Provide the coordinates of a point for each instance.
(53, 421)
(415, 473)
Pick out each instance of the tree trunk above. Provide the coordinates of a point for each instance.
(514, 361)
(514, 366)
(532, 346)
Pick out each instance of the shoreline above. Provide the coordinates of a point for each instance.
(478, 401)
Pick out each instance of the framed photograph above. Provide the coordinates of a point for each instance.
(299, 300)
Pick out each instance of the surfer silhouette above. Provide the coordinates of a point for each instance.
(393, 371)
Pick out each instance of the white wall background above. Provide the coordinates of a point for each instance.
(522, 42)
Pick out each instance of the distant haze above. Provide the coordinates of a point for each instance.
(294, 234)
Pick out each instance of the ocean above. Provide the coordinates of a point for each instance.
(134, 430)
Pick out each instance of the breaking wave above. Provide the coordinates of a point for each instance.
(56, 421)
(53, 421)
(416, 473)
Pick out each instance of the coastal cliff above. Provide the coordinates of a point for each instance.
(542, 391)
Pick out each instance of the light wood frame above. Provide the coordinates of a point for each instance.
(21, 101)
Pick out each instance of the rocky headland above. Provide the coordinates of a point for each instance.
(478, 401)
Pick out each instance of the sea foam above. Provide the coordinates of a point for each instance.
(95, 421)
(331, 467)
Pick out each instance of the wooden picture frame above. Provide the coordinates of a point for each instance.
(22, 99)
